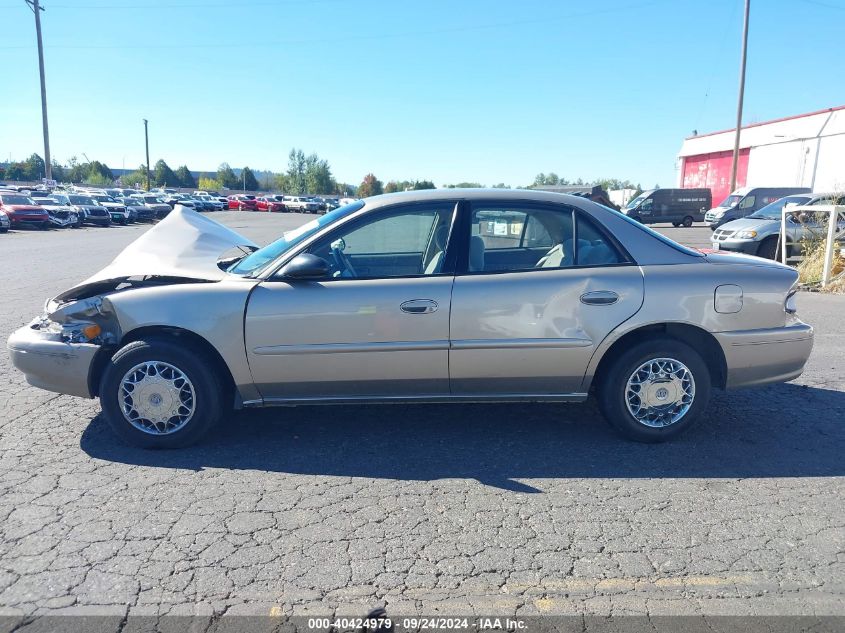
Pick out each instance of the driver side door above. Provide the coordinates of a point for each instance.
(376, 327)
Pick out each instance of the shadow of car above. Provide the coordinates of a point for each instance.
(753, 433)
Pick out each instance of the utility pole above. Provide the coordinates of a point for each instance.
(735, 162)
(147, 143)
(48, 166)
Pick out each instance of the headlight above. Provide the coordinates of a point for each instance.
(75, 332)
(746, 235)
(719, 213)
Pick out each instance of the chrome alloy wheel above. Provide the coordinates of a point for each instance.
(660, 392)
(156, 398)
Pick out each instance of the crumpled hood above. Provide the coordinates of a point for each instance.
(184, 244)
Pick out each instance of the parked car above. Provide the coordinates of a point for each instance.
(759, 233)
(116, 210)
(435, 296)
(269, 203)
(678, 206)
(92, 212)
(243, 202)
(140, 212)
(5, 223)
(214, 204)
(301, 204)
(22, 211)
(215, 196)
(152, 201)
(745, 201)
(61, 215)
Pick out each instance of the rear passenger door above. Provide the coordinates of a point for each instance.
(538, 288)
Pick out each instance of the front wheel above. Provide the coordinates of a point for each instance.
(655, 390)
(155, 394)
(687, 222)
(769, 248)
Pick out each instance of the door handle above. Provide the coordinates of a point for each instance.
(599, 298)
(419, 306)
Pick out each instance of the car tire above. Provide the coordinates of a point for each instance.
(768, 248)
(687, 221)
(630, 374)
(191, 379)
(676, 224)
(4, 230)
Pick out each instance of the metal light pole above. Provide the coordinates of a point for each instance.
(48, 166)
(147, 143)
(735, 161)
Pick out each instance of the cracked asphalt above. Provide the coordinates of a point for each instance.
(495, 509)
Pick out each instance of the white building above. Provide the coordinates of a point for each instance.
(806, 150)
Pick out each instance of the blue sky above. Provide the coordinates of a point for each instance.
(447, 90)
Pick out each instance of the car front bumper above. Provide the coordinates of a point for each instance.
(747, 247)
(764, 356)
(49, 363)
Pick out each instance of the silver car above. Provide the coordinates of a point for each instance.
(426, 296)
(759, 233)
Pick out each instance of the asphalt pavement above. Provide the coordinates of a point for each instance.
(507, 509)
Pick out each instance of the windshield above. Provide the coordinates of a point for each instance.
(633, 204)
(731, 201)
(773, 211)
(102, 199)
(82, 200)
(16, 200)
(60, 199)
(263, 256)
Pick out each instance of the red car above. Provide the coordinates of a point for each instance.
(23, 211)
(273, 204)
(243, 202)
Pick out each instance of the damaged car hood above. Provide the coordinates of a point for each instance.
(184, 244)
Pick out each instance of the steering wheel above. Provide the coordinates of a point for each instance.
(341, 261)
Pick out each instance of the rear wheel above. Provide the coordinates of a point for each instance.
(655, 390)
(155, 394)
(687, 221)
(676, 224)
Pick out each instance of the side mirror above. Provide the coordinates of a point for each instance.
(306, 266)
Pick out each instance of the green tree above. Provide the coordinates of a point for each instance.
(34, 167)
(501, 185)
(226, 176)
(466, 185)
(248, 180)
(137, 177)
(186, 178)
(58, 172)
(101, 170)
(318, 175)
(15, 171)
(280, 183)
(163, 176)
(209, 184)
(97, 179)
(296, 171)
(423, 184)
(370, 186)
